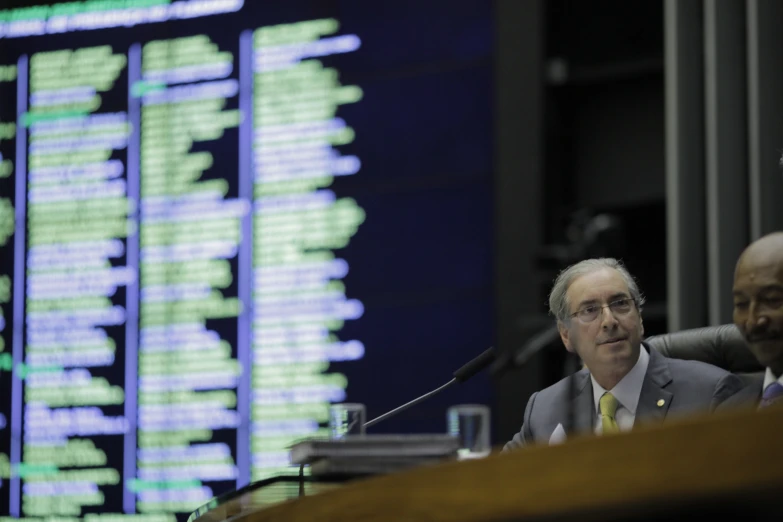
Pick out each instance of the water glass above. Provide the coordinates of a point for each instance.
(346, 419)
(470, 424)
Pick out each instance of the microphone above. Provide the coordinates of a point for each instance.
(519, 357)
(461, 375)
(474, 366)
(535, 344)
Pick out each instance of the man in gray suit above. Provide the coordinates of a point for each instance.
(598, 306)
(758, 314)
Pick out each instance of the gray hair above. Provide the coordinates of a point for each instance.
(558, 300)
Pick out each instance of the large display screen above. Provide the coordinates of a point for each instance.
(218, 217)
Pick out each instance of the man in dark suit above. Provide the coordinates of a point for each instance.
(598, 306)
(758, 314)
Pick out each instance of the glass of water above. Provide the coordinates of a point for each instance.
(346, 419)
(470, 424)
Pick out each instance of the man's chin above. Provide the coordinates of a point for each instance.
(768, 351)
(619, 354)
(617, 347)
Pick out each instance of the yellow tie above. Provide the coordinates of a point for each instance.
(608, 405)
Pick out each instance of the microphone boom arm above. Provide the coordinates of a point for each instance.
(535, 344)
(407, 405)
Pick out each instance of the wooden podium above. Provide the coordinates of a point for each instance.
(727, 466)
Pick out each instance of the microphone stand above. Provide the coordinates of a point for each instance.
(383, 417)
(407, 405)
(570, 371)
(464, 373)
(535, 343)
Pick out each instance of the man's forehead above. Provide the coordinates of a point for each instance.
(757, 280)
(757, 267)
(602, 283)
(767, 252)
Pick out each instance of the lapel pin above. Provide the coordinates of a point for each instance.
(661, 402)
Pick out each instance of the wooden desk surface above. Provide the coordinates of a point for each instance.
(725, 458)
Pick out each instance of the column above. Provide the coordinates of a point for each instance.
(189, 238)
(299, 300)
(77, 221)
(8, 129)
(686, 263)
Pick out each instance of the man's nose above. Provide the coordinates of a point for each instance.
(608, 320)
(755, 319)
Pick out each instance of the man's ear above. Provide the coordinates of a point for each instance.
(564, 336)
(641, 326)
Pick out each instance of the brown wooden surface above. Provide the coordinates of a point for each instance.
(735, 456)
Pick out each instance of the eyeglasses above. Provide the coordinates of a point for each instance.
(590, 313)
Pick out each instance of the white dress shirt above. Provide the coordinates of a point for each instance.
(626, 392)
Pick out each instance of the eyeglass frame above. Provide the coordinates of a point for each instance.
(601, 309)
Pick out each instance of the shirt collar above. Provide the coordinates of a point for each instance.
(769, 378)
(629, 388)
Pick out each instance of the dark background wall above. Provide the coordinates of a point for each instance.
(660, 115)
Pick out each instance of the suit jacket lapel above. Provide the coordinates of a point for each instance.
(582, 403)
(654, 399)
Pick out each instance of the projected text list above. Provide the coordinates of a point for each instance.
(189, 236)
(77, 219)
(298, 297)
